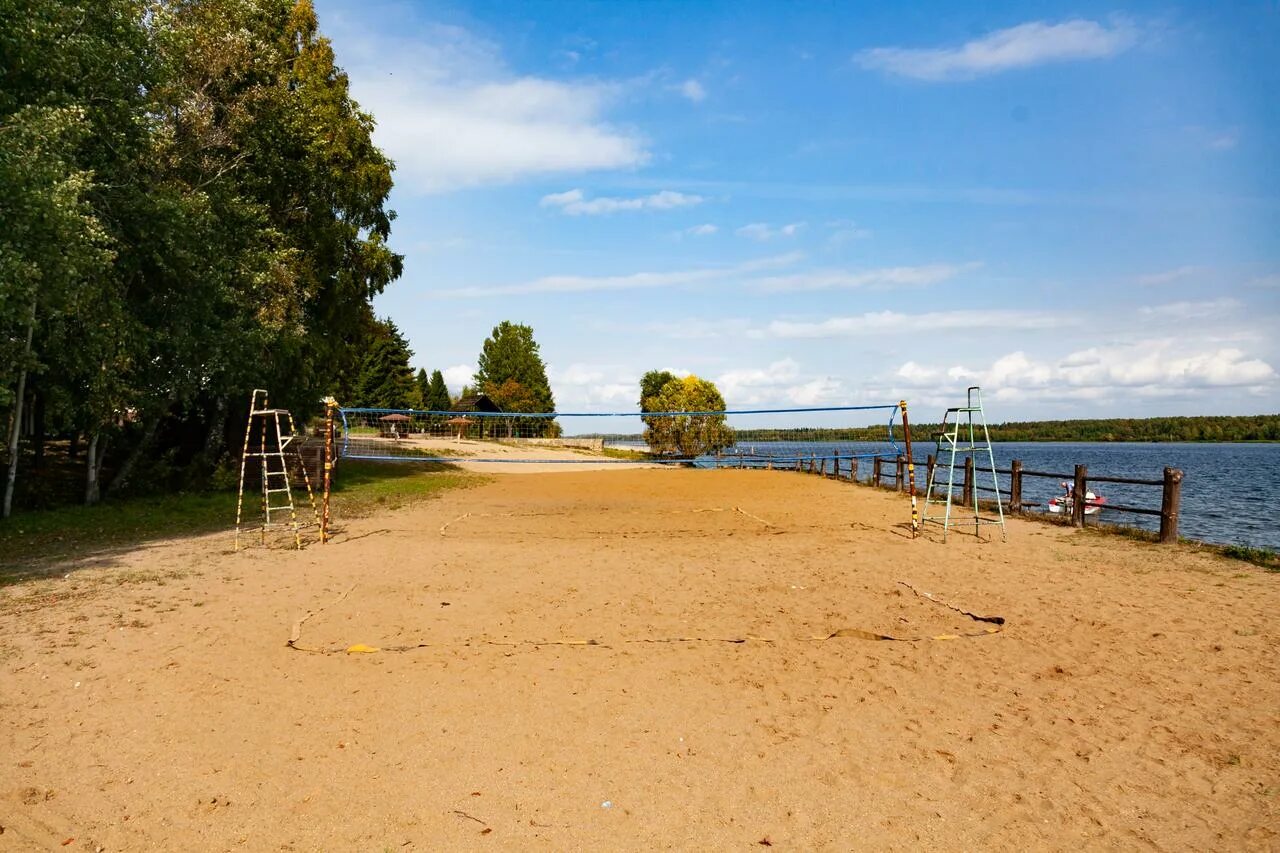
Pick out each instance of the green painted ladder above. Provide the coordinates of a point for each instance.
(963, 437)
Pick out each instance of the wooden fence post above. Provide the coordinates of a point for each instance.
(853, 470)
(875, 471)
(835, 464)
(1170, 503)
(1015, 486)
(966, 489)
(929, 464)
(1081, 488)
(899, 475)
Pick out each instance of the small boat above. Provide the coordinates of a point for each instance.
(1093, 504)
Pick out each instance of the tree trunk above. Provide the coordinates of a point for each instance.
(37, 438)
(17, 416)
(73, 446)
(97, 451)
(122, 476)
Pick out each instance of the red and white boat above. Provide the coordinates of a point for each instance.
(1093, 504)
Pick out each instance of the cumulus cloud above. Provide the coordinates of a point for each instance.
(782, 382)
(762, 231)
(451, 114)
(458, 375)
(575, 203)
(1147, 367)
(1026, 45)
(704, 230)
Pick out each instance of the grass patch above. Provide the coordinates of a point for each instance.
(621, 453)
(1263, 557)
(363, 488)
(360, 489)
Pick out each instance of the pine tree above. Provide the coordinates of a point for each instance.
(386, 380)
(421, 388)
(436, 397)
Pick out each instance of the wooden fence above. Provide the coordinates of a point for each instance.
(1170, 485)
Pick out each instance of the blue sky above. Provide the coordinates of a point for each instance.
(1075, 206)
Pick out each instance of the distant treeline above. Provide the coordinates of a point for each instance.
(1243, 428)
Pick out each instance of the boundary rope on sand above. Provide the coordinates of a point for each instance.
(993, 625)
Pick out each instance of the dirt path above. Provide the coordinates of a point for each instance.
(557, 671)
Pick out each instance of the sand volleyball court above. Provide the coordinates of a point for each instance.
(641, 659)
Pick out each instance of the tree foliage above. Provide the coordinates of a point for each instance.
(511, 372)
(436, 396)
(385, 380)
(685, 435)
(192, 206)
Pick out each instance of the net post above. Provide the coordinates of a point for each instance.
(1170, 502)
(911, 470)
(330, 404)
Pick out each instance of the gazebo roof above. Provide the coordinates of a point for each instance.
(458, 421)
(395, 418)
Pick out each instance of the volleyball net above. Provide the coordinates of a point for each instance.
(747, 438)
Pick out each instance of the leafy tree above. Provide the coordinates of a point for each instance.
(510, 355)
(687, 435)
(651, 385)
(385, 380)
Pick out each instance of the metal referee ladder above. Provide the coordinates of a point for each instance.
(964, 436)
(274, 458)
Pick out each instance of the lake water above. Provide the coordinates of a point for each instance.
(1229, 491)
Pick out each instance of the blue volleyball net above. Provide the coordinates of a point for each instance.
(746, 438)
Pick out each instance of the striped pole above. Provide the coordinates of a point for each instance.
(911, 471)
(329, 405)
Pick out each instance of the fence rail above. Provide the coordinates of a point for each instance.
(1170, 485)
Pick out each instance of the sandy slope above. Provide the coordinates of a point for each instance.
(1131, 701)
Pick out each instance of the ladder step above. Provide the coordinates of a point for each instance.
(277, 491)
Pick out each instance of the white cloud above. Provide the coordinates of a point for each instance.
(632, 281)
(451, 114)
(693, 90)
(782, 382)
(1151, 367)
(1266, 282)
(704, 230)
(458, 375)
(885, 277)
(575, 203)
(1190, 310)
(894, 322)
(1168, 276)
(1023, 46)
(762, 231)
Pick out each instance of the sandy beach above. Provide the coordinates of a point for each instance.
(641, 659)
